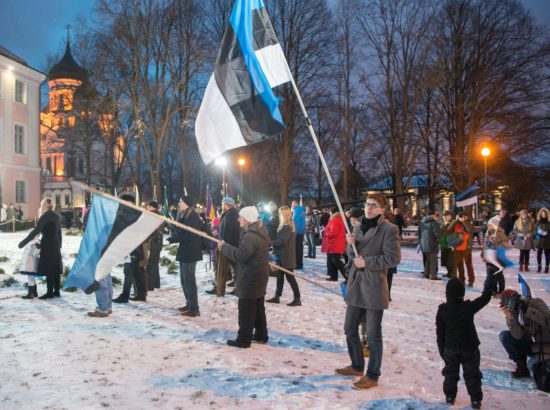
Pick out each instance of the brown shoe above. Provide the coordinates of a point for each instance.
(183, 308)
(95, 313)
(365, 382)
(349, 371)
(190, 313)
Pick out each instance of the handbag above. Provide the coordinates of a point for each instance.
(541, 370)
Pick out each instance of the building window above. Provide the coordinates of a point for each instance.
(80, 166)
(67, 200)
(57, 200)
(20, 191)
(20, 94)
(19, 132)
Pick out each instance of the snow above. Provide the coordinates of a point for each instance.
(145, 355)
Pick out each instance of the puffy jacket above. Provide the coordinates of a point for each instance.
(299, 218)
(334, 236)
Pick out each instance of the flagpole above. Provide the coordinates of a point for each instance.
(321, 156)
(185, 227)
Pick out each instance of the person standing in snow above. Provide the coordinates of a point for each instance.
(379, 248)
(251, 276)
(457, 339)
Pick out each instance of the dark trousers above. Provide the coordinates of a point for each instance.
(500, 284)
(546, 256)
(465, 258)
(133, 272)
(524, 256)
(52, 284)
(153, 276)
(291, 281)
(299, 250)
(517, 349)
(391, 272)
(252, 320)
(470, 368)
(335, 265)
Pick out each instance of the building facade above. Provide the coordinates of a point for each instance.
(19, 133)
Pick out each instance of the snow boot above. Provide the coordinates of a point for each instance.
(475, 405)
(526, 268)
(521, 369)
(31, 293)
(546, 269)
(295, 302)
(521, 267)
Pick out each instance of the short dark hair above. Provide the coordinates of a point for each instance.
(381, 199)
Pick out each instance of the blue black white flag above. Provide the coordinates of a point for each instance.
(239, 106)
(467, 197)
(112, 232)
(524, 288)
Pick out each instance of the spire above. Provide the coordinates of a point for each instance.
(68, 28)
(67, 67)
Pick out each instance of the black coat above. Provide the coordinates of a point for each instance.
(49, 225)
(285, 247)
(252, 258)
(229, 229)
(454, 322)
(190, 249)
(272, 226)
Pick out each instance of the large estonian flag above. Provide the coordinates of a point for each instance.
(239, 106)
(112, 232)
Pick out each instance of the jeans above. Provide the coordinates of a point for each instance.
(292, 282)
(252, 320)
(189, 285)
(311, 249)
(104, 295)
(470, 369)
(517, 349)
(299, 251)
(374, 339)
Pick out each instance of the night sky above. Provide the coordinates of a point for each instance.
(32, 29)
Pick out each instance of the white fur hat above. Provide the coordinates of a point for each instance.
(250, 213)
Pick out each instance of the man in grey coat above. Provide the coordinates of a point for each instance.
(379, 247)
(251, 276)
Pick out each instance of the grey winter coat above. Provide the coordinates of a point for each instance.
(428, 235)
(285, 247)
(523, 234)
(380, 246)
(252, 258)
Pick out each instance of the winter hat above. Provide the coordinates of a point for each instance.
(154, 204)
(187, 200)
(455, 290)
(250, 213)
(128, 197)
(356, 212)
(228, 200)
(506, 296)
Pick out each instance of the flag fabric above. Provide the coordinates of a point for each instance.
(467, 193)
(138, 199)
(239, 106)
(468, 201)
(116, 193)
(210, 214)
(113, 231)
(165, 208)
(524, 288)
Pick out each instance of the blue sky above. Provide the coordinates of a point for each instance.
(32, 29)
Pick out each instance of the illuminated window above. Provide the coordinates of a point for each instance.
(71, 121)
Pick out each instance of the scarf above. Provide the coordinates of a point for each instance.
(366, 224)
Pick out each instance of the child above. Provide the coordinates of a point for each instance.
(457, 339)
(494, 254)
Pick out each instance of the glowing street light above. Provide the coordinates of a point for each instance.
(485, 152)
(241, 162)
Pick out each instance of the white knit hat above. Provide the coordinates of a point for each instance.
(250, 213)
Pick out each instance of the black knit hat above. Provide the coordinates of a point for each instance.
(188, 200)
(154, 204)
(357, 212)
(455, 290)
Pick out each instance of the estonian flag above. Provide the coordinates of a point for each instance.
(239, 107)
(113, 231)
(524, 288)
(465, 198)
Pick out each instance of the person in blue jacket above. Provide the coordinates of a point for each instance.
(299, 218)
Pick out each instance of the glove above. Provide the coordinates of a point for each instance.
(21, 244)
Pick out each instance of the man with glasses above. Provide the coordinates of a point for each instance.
(379, 248)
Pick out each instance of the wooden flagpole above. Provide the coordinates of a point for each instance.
(185, 227)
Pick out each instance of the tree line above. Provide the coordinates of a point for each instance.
(394, 88)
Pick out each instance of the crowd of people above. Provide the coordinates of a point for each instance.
(363, 246)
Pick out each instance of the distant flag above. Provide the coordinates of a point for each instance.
(184, 191)
(154, 193)
(165, 208)
(466, 198)
(112, 232)
(524, 288)
(209, 205)
(138, 199)
(116, 193)
(239, 107)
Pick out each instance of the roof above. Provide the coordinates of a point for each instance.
(7, 53)
(67, 67)
(417, 182)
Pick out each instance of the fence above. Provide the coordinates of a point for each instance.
(17, 225)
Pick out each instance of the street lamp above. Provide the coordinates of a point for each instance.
(222, 162)
(241, 162)
(485, 152)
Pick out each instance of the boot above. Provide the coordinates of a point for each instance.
(546, 269)
(274, 299)
(539, 268)
(521, 267)
(295, 302)
(526, 268)
(31, 293)
(521, 369)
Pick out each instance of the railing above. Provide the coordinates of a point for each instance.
(17, 225)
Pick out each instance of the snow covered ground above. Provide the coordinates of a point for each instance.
(146, 356)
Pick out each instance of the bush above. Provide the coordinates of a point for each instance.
(116, 281)
(2, 271)
(164, 261)
(172, 249)
(173, 268)
(4, 259)
(6, 283)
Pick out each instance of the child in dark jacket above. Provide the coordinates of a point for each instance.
(457, 339)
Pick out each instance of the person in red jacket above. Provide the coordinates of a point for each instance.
(334, 245)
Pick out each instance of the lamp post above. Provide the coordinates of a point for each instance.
(485, 152)
(241, 162)
(222, 162)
